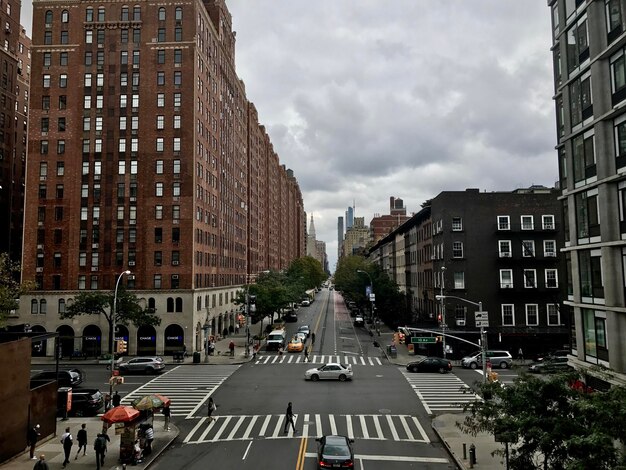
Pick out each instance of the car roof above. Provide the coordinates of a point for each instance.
(335, 439)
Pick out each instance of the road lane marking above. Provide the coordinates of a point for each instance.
(394, 433)
(238, 424)
(193, 431)
(379, 431)
(421, 429)
(265, 424)
(349, 425)
(246, 452)
(249, 428)
(333, 426)
(366, 434)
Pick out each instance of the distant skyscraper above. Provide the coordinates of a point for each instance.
(339, 236)
(349, 217)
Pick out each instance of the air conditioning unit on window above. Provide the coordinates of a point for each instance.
(131, 263)
(505, 254)
(175, 276)
(175, 263)
(551, 254)
(39, 270)
(460, 323)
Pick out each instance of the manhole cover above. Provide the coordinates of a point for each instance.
(384, 411)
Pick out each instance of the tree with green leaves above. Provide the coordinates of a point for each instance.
(552, 425)
(307, 271)
(129, 311)
(10, 287)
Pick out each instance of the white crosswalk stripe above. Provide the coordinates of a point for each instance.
(249, 427)
(317, 359)
(189, 387)
(440, 392)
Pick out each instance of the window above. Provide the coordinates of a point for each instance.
(584, 158)
(457, 249)
(88, 58)
(160, 100)
(161, 35)
(161, 14)
(175, 213)
(587, 214)
(157, 281)
(160, 122)
(158, 212)
(136, 57)
(65, 16)
(554, 317)
(614, 26)
(178, 78)
(549, 248)
(89, 14)
(47, 37)
(547, 222)
(176, 165)
(581, 103)
(528, 248)
(175, 281)
(46, 80)
(178, 56)
(160, 78)
(136, 35)
(504, 248)
(532, 315)
(43, 147)
(177, 121)
(619, 135)
(176, 189)
(64, 37)
(459, 280)
(176, 144)
(508, 315)
(88, 36)
(530, 278)
(178, 34)
(34, 307)
(60, 146)
(178, 14)
(159, 144)
(48, 18)
(61, 124)
(45, 102)
(160, 56)
(158, 235)
(552, 279)
(577, 45)
(158, 258)
(136, 13)
(101, 14)
(506, 278)
(45, 124)
(527, 222)
(590, 270)
(177, 100)
(158, 190)
(47, 59)
(504, 222)
(124, 36)
(159, 167)
(60, 168)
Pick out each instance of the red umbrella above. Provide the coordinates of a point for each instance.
(120, 414)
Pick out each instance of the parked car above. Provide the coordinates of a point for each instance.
(86, 401)
(145, 365)
(305, 329)
(305, 303)
(498, 359)
(291, 316)
(359, 320)
(330, 371)
(552, 354)
(550, 365)
(430, 364)
(335, 452)
(295, 345)
(65, 377)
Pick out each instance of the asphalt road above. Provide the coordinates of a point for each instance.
(378, 408)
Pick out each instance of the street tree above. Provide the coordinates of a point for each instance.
(307, 271)
(552, 425)
(129, 311)
(10, 286)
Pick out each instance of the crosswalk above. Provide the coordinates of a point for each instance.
(249, 427)
(188, 387)
(440, 392)
(318, 359)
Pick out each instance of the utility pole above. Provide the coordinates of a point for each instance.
(443, 311)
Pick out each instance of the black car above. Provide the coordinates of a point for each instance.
(553, 354)
(550, 365)
(86, 402)
(291, 316)
(65, 378)
(335, 452)
(430, 364)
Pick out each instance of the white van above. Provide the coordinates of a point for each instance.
(276, 339)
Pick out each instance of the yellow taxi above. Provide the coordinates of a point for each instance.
(295, 345)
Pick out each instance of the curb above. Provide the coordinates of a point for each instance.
(162, 449)
(451, 453)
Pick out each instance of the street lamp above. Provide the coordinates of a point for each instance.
(113, 319)
(443, 311)
(483, 336)
(371, 294)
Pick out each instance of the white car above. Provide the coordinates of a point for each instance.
(359, 321)
(331, 371)
(305, 303)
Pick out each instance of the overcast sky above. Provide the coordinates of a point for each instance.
(367, 99)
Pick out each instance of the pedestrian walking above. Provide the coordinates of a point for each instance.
(117, 399)
(306, 354)
(147, 450)
(211, 408)
(41, 464)
(289, 419)
(520, 354)
(32, 437)
(313, 338)
(100, 446)
(67, 440)
(166, 414)
(231, 347)
(81, 438)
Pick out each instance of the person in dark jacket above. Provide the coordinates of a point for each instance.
(117, 399)
(41, 464)
(81, 437)
(166, 414)
(33, 435)
(67, 440)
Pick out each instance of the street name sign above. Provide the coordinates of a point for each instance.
(481, 316)
(482, 323)
(423, 339)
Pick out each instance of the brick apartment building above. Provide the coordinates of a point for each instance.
(145, 154)
(383, 224)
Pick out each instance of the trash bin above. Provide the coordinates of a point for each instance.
(196, 357)
(393, 352)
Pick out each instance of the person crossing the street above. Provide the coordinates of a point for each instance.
(289, 419)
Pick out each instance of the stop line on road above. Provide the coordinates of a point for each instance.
(188, 387)
(440, 392)
(318, 359)
(363, 427)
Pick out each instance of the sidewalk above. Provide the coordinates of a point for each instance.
(445, 425)
(53, 449)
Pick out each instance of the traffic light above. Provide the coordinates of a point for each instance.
(122, 346)
(439, 339)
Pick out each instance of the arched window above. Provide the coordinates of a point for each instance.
(34, 307)
(161, 14)
(61, 305)
(48, 17)
(198, 303)
(125, 14)
(65, 16)
(89, 14)
(152, 304)
(101, 14)
(178, 15)
(136, 13)
(43, 306)
(170, 305)
(179, 304)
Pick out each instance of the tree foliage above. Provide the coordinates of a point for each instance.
(10, 287)
(308, 270)
(553, 425)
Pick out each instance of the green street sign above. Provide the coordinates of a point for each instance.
(423, 339)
